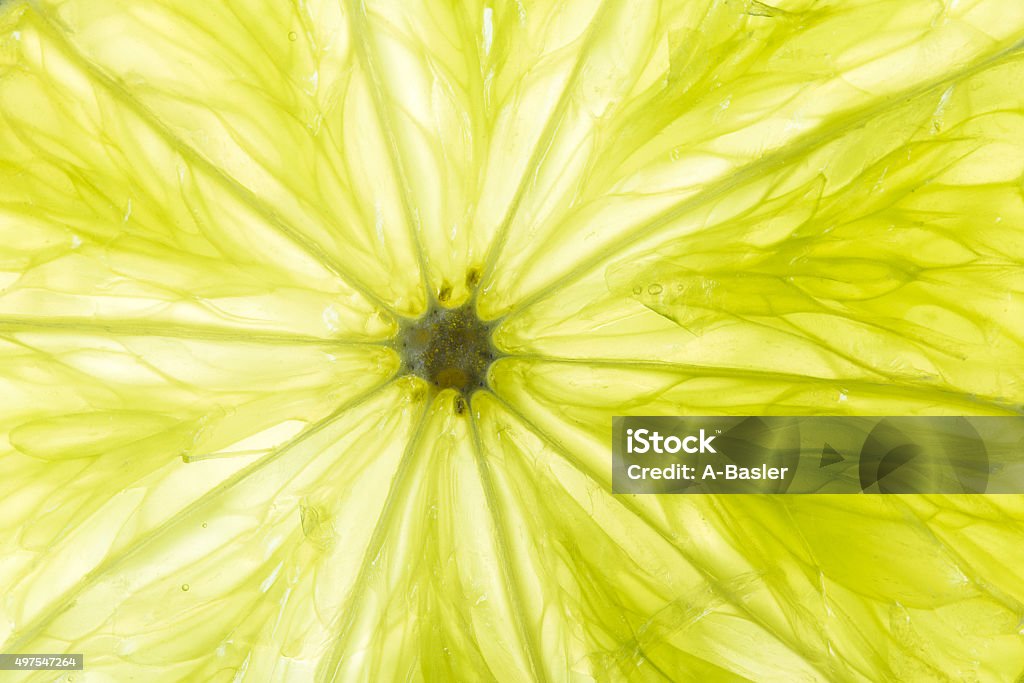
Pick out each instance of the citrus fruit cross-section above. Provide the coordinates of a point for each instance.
(314, 317)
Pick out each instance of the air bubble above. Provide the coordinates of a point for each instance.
(185, 587)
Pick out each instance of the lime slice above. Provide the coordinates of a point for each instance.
(314, 317)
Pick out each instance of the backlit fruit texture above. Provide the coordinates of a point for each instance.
(219, 221)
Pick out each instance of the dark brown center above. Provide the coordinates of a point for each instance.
(450, 348)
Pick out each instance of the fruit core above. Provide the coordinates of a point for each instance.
(449, 347)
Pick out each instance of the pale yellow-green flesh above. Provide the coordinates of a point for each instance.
(214, 215)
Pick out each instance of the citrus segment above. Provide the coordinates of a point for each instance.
(741, 98)
(289, 124)
(605, 575)
(423, 61)
(849, 264)
(104, 426)
(431, 602)
(109, 220)
(876, 614)
(253, 565)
